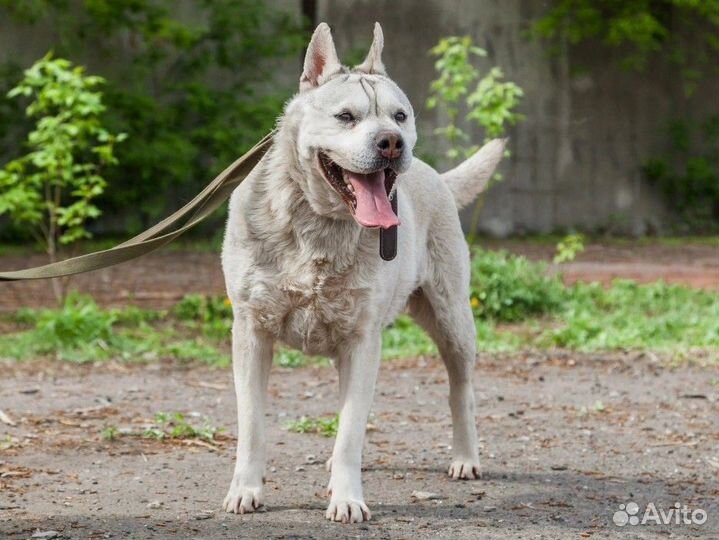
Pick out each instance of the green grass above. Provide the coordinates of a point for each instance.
(167, 426)
(325, 426)
(516, 306)
(631, 316)
(80, 331)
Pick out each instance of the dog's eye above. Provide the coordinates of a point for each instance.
(345, 117)
(400, 116)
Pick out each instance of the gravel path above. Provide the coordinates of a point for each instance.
(565, 440)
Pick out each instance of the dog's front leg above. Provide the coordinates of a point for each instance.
(358, 373)
(251, 362)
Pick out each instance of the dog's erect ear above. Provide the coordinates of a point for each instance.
(321, 58)
(373, 63)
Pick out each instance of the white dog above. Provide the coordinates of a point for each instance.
(302, 261)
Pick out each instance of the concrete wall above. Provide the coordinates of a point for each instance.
(576, 158)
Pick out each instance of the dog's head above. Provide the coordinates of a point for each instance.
(354, 132)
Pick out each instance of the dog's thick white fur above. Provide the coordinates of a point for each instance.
(300, 268)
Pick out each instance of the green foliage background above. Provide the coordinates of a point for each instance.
(683, 36)
(190, 83)
(52, 189)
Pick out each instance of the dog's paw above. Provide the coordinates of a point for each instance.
(464, 470)
(347, 511)
(242, 500)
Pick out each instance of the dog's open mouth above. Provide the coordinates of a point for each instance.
(366, 195)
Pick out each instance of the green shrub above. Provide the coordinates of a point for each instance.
(52, 190)
(79, 331)
(193, 84)
(688, 174)
(509, 288)
(490, 101)
(680, 32)
(568, 248)
(403, 339)
(212, 314)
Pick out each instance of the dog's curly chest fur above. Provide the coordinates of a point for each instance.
(315, 310)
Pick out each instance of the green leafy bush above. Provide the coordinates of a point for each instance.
(682, 32)
(193, 85)
(212, 314)
(490, 103)
(688, 175)
(509, 288)
(80, 331)
(568, 248)
(52, 190)
(403, 338)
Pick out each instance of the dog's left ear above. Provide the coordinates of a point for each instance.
(373, 63)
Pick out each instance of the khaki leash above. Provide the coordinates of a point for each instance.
(167, 230)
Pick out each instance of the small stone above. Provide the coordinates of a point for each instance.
(425, 496)
(154, 504)
(489, 508)
(45, 534)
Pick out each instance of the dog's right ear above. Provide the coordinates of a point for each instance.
(321, 59)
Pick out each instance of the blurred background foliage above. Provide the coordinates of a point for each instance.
(191, 93)
(682, 35)
(193, 84)
(682, 32)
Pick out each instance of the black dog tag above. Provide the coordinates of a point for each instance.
(388, 237)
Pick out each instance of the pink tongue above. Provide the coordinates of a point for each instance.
(373, 206)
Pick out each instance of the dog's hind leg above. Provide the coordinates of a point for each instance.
(358, 369)
(251, 362)
(442, 309)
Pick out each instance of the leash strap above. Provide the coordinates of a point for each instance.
(206, 202)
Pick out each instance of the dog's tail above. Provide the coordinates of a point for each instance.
(470, 178)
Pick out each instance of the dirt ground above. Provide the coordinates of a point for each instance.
(161, 279)
(565, 439)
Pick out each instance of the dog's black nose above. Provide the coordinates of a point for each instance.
(389, 144)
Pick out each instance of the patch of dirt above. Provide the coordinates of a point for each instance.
(157, 281)
(565, 439)
(695, 265)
